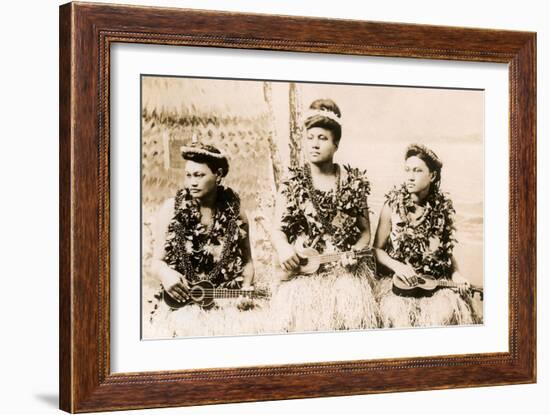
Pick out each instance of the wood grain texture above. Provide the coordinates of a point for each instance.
(65, 138)
(86, 33)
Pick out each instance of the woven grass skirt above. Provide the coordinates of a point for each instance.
(444, 307)
(335, 300)
(330, 300)
(228, 318)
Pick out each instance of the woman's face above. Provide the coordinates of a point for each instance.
(320, 145)
(418, 176)
(199, 179)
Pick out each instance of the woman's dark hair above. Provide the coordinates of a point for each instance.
(214, 163)
(431, 160)
(319, 120)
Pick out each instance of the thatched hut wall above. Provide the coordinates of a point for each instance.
(233, 115)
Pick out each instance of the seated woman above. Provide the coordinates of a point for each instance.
(415, 238)
(201, 234)
(323, 206)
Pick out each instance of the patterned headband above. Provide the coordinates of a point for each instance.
(203, 149)
(322, 113)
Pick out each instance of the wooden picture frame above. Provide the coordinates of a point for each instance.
(87, 32)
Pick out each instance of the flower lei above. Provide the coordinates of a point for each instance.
(191, 248)
(324, 216)
(427, 244)
(318, 198)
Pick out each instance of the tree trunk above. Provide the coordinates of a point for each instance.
(276, 165)
(295, 142)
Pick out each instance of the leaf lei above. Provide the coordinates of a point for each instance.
(331, 215)
(190, 246)
(428, 243)
(318, 198)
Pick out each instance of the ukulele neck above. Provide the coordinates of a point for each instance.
(326, 258)
(447, 283)
(228, 293)
(451, 284)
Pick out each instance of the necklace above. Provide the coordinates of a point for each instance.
(189, 213)
(405, 204)
(414, 240)
(224, 259)
(316, 200)
(209, 228)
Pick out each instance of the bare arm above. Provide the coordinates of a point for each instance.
(401, 270)
(456, 270)
(288, 259)
(364, 227)
(248, 272)
(459, 278)
(278, 237)
(348, 260)
(381, 239)
(172, 281)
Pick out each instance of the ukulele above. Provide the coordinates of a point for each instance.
(426, 286)
(203, 293)
(311, 259)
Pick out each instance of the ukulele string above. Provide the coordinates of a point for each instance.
(336, 256)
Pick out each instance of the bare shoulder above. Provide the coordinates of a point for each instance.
(165, 212)
(161, 221)
(385, 213)
(243, 216)
(167, 206)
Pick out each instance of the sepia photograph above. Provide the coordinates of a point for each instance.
(258, 205)
(272, 207)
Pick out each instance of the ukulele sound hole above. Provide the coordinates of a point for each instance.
(197, 293)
